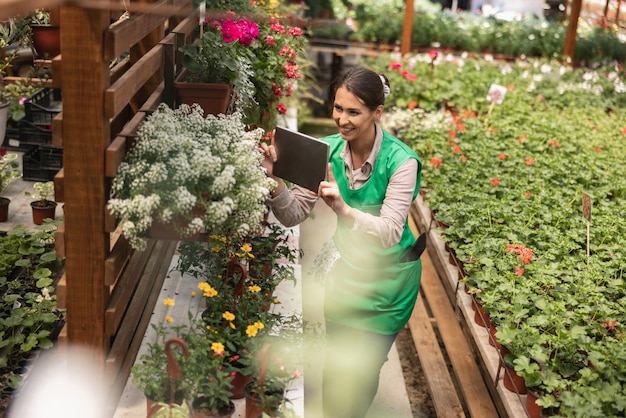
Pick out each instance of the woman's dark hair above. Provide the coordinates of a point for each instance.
(363, 83)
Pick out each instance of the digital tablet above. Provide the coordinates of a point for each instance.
(301, 159)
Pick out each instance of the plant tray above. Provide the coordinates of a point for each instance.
(34, 134)
(51, 157)
(32, 169)
(43, 106)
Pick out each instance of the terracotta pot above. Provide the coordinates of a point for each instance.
(4, 209)
(512, 381)
(46, 40)
(212, 98)
(41, 212)
(492, 335)
(254, 405)
(198, 412)
(239, 382)
(480, 316)
(534, 410)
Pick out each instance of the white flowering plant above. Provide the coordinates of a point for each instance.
(201, 175)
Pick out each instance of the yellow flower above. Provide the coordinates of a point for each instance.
(246, 248)
(259, 325)
(216, 248)
(276, 301)
(228, 316)
(193, 294)
(251, 331)
(169, 302)
(169, 318)
(254, 288)
(230, 324)
(218, 348)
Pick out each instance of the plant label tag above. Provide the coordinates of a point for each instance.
(587, 207)
(496, 94)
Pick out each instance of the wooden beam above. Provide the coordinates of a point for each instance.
(85, 138)
(570, 37)
(407, 28)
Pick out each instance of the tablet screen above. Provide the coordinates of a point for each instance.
(301, 159)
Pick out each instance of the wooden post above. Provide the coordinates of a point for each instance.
(570, 38)
(407, 28)
(85, 138)
(605, 18)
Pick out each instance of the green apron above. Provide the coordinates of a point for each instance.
(369, 288)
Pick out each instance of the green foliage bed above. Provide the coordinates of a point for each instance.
(508, 180)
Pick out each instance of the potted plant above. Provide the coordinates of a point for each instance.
(194, 173)
(275, 367)
(218, 64)
(208, 374)
(46, 37)
(149, 374)
(9, 171)
(43, 206)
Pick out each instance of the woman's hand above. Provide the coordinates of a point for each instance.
(329, 192)
(269, 154)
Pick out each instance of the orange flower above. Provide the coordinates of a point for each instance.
(412, 104)
(495, 181)
(502, 156)
(519, 271)
(528, 194)
(452, 133)
(463, 158)
(456, 150)
(529, 161)
(554, 143)
(436, 162)
(597, 149)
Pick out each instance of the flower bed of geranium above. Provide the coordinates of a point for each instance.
(509, 181)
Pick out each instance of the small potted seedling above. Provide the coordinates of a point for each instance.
(44, 206)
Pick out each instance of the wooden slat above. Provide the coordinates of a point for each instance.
(57, 71)
(119, 69)
(115, 262)
(59, 240)
(59, 186)
(125, 289)
(123, 35)
(473, 387)
(440, 384)
(114, 156)
(124, 89)
(57, 130)
(110, 223)
(116, 151)
(137, 317)
(61, 292)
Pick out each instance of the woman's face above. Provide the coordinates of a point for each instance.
(354, 120)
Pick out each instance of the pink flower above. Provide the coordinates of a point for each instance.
(295, 31)
(395, 66)
(282, 109)
(277, 27)
(230, 31)
(433, 54)
(270, 41)
(519, 271)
